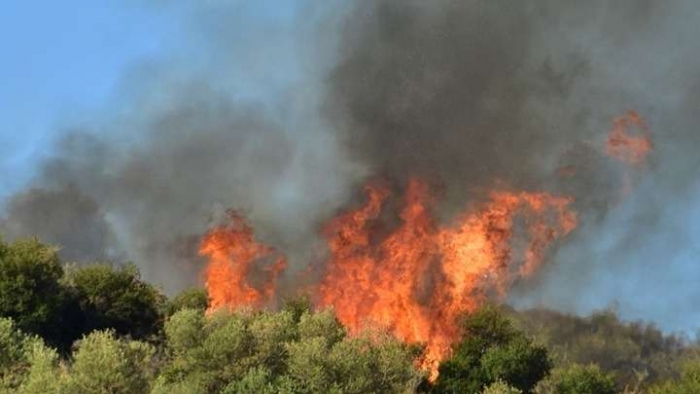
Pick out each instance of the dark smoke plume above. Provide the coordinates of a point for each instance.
(66, 217)
(288, 116)
(469, 92)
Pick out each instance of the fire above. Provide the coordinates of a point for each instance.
(402, 269)
(417, 279)
(625, 147)
(413, 278)
(236, 260)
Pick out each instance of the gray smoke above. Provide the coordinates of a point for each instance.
(69, 219)
(469, 92)
(183, 145)
(284, 117)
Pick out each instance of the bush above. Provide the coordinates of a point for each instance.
(638, 353)
(500, 387)
(117, 299)
(250, 351)
(578, 379)
(492, 350)
(103, 363)
(31, 293)
(689, 382)
(189, 299)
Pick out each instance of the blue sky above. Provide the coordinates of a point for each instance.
(60, 60)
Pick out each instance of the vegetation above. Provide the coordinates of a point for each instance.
(101, 329)
(578, 379)
(492, 350)
(687, 384)
(637, 354)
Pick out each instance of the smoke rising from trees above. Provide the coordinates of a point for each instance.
(283, 118)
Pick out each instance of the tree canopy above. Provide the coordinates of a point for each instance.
(99, 328)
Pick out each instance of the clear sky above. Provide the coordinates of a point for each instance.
(59, 60)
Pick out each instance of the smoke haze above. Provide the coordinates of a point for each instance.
(282, 118)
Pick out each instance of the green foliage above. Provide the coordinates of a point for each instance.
(257, 380)
(689, 382)
(500, 387)
(194, 298)
(26, 364)
(30, 292)
(321, 325)
(297, 306)
(294, 350)
(492, 350)
(274, 352)
(35, 293)
(117, 299)
(44, 375)
(103, 363)
(518, 362)
(15, 350)
(578, 379)
(637, 353)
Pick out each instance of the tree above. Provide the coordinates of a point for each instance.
(194, 298)
(102, 363)
(31, 293)
(638, 353)
(117, 299)
(492, 350)
(268, 352)
(24, 361)
(689, 382)
(500, 387)
(44, 374)
(578, 379)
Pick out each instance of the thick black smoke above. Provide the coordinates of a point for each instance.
(470, 94)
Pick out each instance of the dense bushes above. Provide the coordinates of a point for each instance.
(638, 354)
(578, 379)
(117, 299)
(271, 352)
(492, 350)
(62, 305)
(101, 329)
(30, 292)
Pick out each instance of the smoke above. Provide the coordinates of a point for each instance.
(146, 183)
(70, 219)
(473, 92)
(282, 116)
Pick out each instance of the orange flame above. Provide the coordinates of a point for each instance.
(414, 279)
(625, 147)
(411, 274)
(236, 261)
(417, 279)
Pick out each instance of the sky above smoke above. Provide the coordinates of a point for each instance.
(282, 111)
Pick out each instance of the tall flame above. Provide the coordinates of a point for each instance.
(406, 271)
(413, 279)
(236, 262)
(417, 279)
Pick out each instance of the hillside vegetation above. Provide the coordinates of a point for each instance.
(99, 328)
